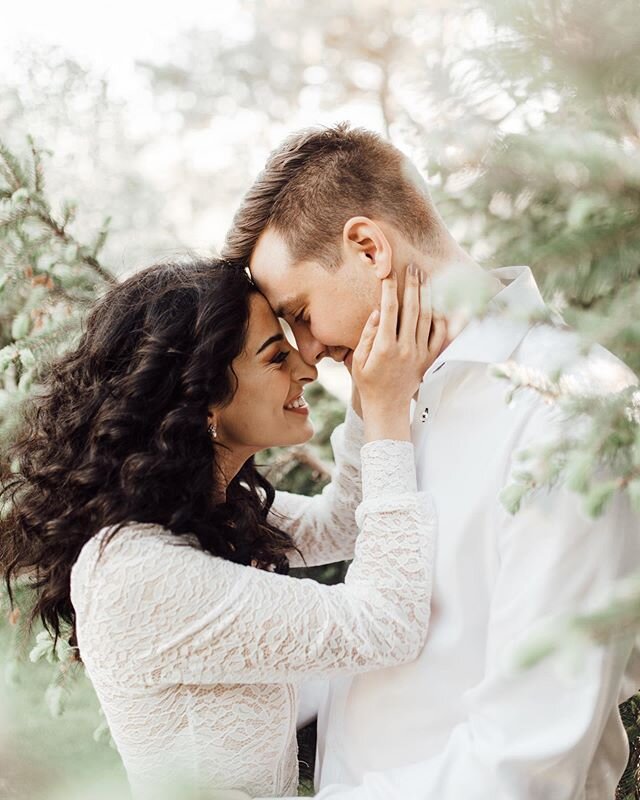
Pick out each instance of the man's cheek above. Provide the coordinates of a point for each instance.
(333, 332)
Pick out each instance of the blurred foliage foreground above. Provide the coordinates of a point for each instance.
(533, 157)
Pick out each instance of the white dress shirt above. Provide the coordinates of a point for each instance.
(460, 722)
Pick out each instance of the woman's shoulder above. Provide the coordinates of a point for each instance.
(110, 558)
(127, 541)
(122, 533)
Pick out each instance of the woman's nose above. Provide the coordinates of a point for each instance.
(302, 371)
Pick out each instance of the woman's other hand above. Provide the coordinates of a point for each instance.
(391, 358)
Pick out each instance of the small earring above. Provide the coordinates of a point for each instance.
(212, 431)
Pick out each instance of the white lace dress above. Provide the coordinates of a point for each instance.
(195, 659)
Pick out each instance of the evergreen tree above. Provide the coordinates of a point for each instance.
(47, 279)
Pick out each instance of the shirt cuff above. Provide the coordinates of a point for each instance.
(388, 469)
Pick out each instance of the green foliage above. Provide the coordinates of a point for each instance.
(538, 145)
(47, 280)
(595, 449)
(628, 786)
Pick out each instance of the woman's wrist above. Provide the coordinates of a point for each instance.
(386, 423)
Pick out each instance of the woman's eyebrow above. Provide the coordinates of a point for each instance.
(277, 337)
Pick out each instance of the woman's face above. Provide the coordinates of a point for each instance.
(271, 376)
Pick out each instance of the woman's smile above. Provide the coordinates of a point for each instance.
(298, 406)
(271, 376)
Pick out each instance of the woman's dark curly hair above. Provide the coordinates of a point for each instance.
(119, 433)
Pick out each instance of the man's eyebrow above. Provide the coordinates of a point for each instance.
(287, 307)
(277, 337)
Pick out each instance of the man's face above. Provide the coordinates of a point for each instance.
(326, 310)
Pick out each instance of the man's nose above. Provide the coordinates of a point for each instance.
(310, 349)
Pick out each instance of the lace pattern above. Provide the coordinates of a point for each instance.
(195, 659)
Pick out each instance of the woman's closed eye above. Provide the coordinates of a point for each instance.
(280, 357)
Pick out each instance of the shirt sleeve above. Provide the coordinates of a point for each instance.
(175, 614)
(311, 694)
(530, 734)
(324, 526)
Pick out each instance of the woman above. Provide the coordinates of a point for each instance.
(148, 529)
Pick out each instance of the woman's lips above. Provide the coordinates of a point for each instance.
(304, 410)
(301, 406)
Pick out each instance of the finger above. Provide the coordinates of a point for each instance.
(410, 307)
(367, 338)
(426, 310)
(388, 310)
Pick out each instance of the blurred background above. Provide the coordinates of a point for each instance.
(149, 121)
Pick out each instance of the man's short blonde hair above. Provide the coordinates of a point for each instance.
(317, 180)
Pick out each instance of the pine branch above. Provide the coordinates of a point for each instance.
(33, 205)
(37, 171)
(88, 259)
(11, 169)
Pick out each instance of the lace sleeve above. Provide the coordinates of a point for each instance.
(176, 614)
(324, 527)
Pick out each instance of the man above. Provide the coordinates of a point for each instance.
(332, 213)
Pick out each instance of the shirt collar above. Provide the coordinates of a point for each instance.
(494, 337)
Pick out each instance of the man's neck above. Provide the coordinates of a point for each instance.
(461, 290)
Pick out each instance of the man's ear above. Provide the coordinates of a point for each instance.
(363, 237)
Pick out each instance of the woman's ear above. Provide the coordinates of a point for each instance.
(212, 422)
(366, 239)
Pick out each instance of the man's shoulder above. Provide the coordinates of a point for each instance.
(559, 352)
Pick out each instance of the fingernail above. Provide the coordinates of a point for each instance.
(375, 317)
(412, 270)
